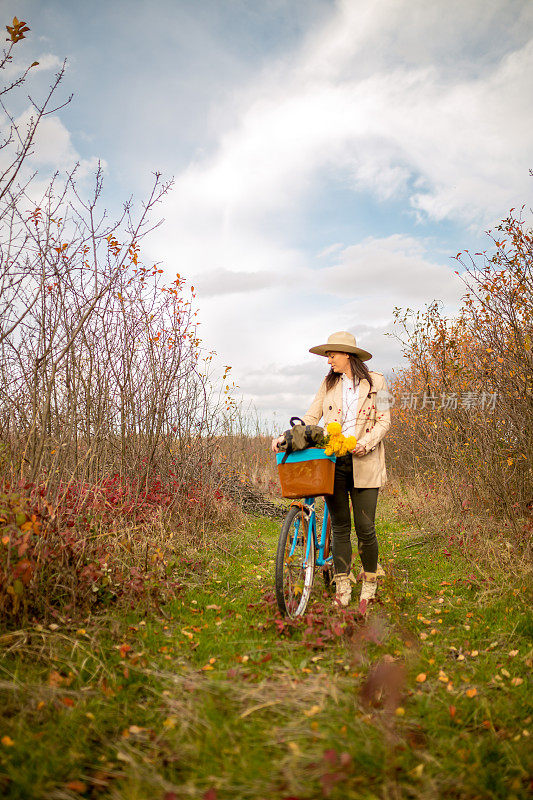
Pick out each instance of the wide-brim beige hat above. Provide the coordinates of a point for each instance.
(341, 342)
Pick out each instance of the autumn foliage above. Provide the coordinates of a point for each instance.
(471, 432)
(107, 409)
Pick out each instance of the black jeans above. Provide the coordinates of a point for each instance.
(364, 503)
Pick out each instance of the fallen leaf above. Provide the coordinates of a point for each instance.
(417, 771)
(55, 678)
(471, 692)
(421, 677)
(505, 673)
(400, 712)
(517, 681)
(67, 701)
(76, 786)
(293, 747)
(513, 653)
(312, 711)
(7, 741)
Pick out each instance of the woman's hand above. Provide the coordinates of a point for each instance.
(359, 451)
(276, 443)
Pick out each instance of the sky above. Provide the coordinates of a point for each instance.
(329, 157)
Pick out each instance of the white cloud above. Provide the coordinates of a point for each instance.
(52, 150)
(396, 100)
(395, 269)
(410, 101)
(374, 100)
(389, 271)
(46, 61)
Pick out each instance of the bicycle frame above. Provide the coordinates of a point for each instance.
(308, 506)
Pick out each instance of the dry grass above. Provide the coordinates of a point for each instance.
(493, 546)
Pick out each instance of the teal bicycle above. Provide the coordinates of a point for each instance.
(299, 554)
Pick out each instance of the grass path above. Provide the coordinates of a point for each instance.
(219, 698)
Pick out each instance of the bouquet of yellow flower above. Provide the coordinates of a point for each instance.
(336, 443)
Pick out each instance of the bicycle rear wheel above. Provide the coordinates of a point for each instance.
(294, 573)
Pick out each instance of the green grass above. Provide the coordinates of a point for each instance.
(212, 700)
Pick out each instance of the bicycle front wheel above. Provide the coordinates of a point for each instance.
(295, 564)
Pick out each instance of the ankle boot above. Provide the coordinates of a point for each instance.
(343, 589)
(368, 590)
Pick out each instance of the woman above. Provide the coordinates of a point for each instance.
(357, 398)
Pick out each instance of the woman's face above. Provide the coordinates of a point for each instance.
(339, 362)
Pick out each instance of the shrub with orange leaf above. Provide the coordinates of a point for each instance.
(464, 405)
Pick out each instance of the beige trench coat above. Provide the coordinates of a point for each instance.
(372, 423)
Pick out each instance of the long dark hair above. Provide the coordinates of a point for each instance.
(359, 370)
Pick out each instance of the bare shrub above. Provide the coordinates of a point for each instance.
(107, 407)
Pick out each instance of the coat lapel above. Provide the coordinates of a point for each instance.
(364, 388)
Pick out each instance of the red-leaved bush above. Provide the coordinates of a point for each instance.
(115, 542)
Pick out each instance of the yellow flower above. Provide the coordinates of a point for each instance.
(336, 442)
